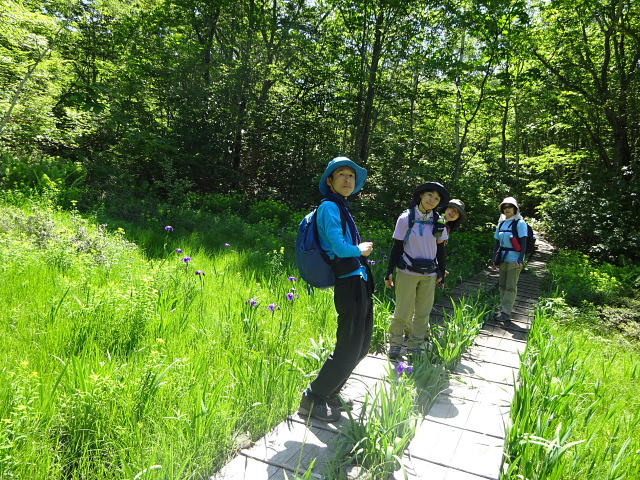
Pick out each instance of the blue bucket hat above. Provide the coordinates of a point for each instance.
(361, 174)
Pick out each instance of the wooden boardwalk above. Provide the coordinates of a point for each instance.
(461, 437)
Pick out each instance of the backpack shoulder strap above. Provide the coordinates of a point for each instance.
(343, 219)
(412, 221)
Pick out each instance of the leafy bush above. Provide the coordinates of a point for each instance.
(583, 280)
(594, 216)
(41, 174)
(216, 203)
(270, 210)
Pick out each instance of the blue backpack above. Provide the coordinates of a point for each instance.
(314, 264)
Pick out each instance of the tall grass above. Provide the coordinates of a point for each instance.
(119, 362)
(115, 365)
(459, 331)
(377, 438)
(575, 413)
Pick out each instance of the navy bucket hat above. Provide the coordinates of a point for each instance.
(430, 186)
(361, 174)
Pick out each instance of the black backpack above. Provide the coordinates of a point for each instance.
(531, 238)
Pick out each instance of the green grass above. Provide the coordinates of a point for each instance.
(120, 362)
(576, 411)
(114, 362)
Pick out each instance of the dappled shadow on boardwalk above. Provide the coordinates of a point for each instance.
(462, 433)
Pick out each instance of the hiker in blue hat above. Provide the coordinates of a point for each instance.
(352, 293)
(418, 253)
(509, 254)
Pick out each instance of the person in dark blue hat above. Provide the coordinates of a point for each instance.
(352, 293)
(418, 253)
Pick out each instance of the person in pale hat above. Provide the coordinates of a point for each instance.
(509, 253)
(418, 256)
(352, 293)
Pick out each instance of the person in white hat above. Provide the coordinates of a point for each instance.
(509, 255)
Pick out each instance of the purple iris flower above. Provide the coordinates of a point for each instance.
(200, 272)
(227, 245)
(404, 367)
(169, 228)
(178, 250)
(274, 306)
(186, 259)
(293, 279)
(252, 301)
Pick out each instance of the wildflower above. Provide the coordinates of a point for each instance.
(274, 306)
(186, 259)
(373, 262)
(252, 301)
(404, 367)
(227, 245)
(200, 272)
(169, 228)
(293, 279)
(292, 296)
(178, 250)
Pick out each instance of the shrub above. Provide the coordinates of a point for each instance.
(582, 279)
(593, 216)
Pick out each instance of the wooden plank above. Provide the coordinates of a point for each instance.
(459, 449)
(293, 446)
(500, 357)
(486, 418)
(478, 390)
(502, 332)
(416, 468)
(487, 371)
(500, 343)
(461, 437)
(373, 366)
(244, 468)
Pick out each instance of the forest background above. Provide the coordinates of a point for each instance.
(128, 129)
(131, 108)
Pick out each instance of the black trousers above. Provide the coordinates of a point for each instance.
(353, 299)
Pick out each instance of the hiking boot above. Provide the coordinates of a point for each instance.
(416, 351)
(394, 352)
(338, 402)
(312, 408)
